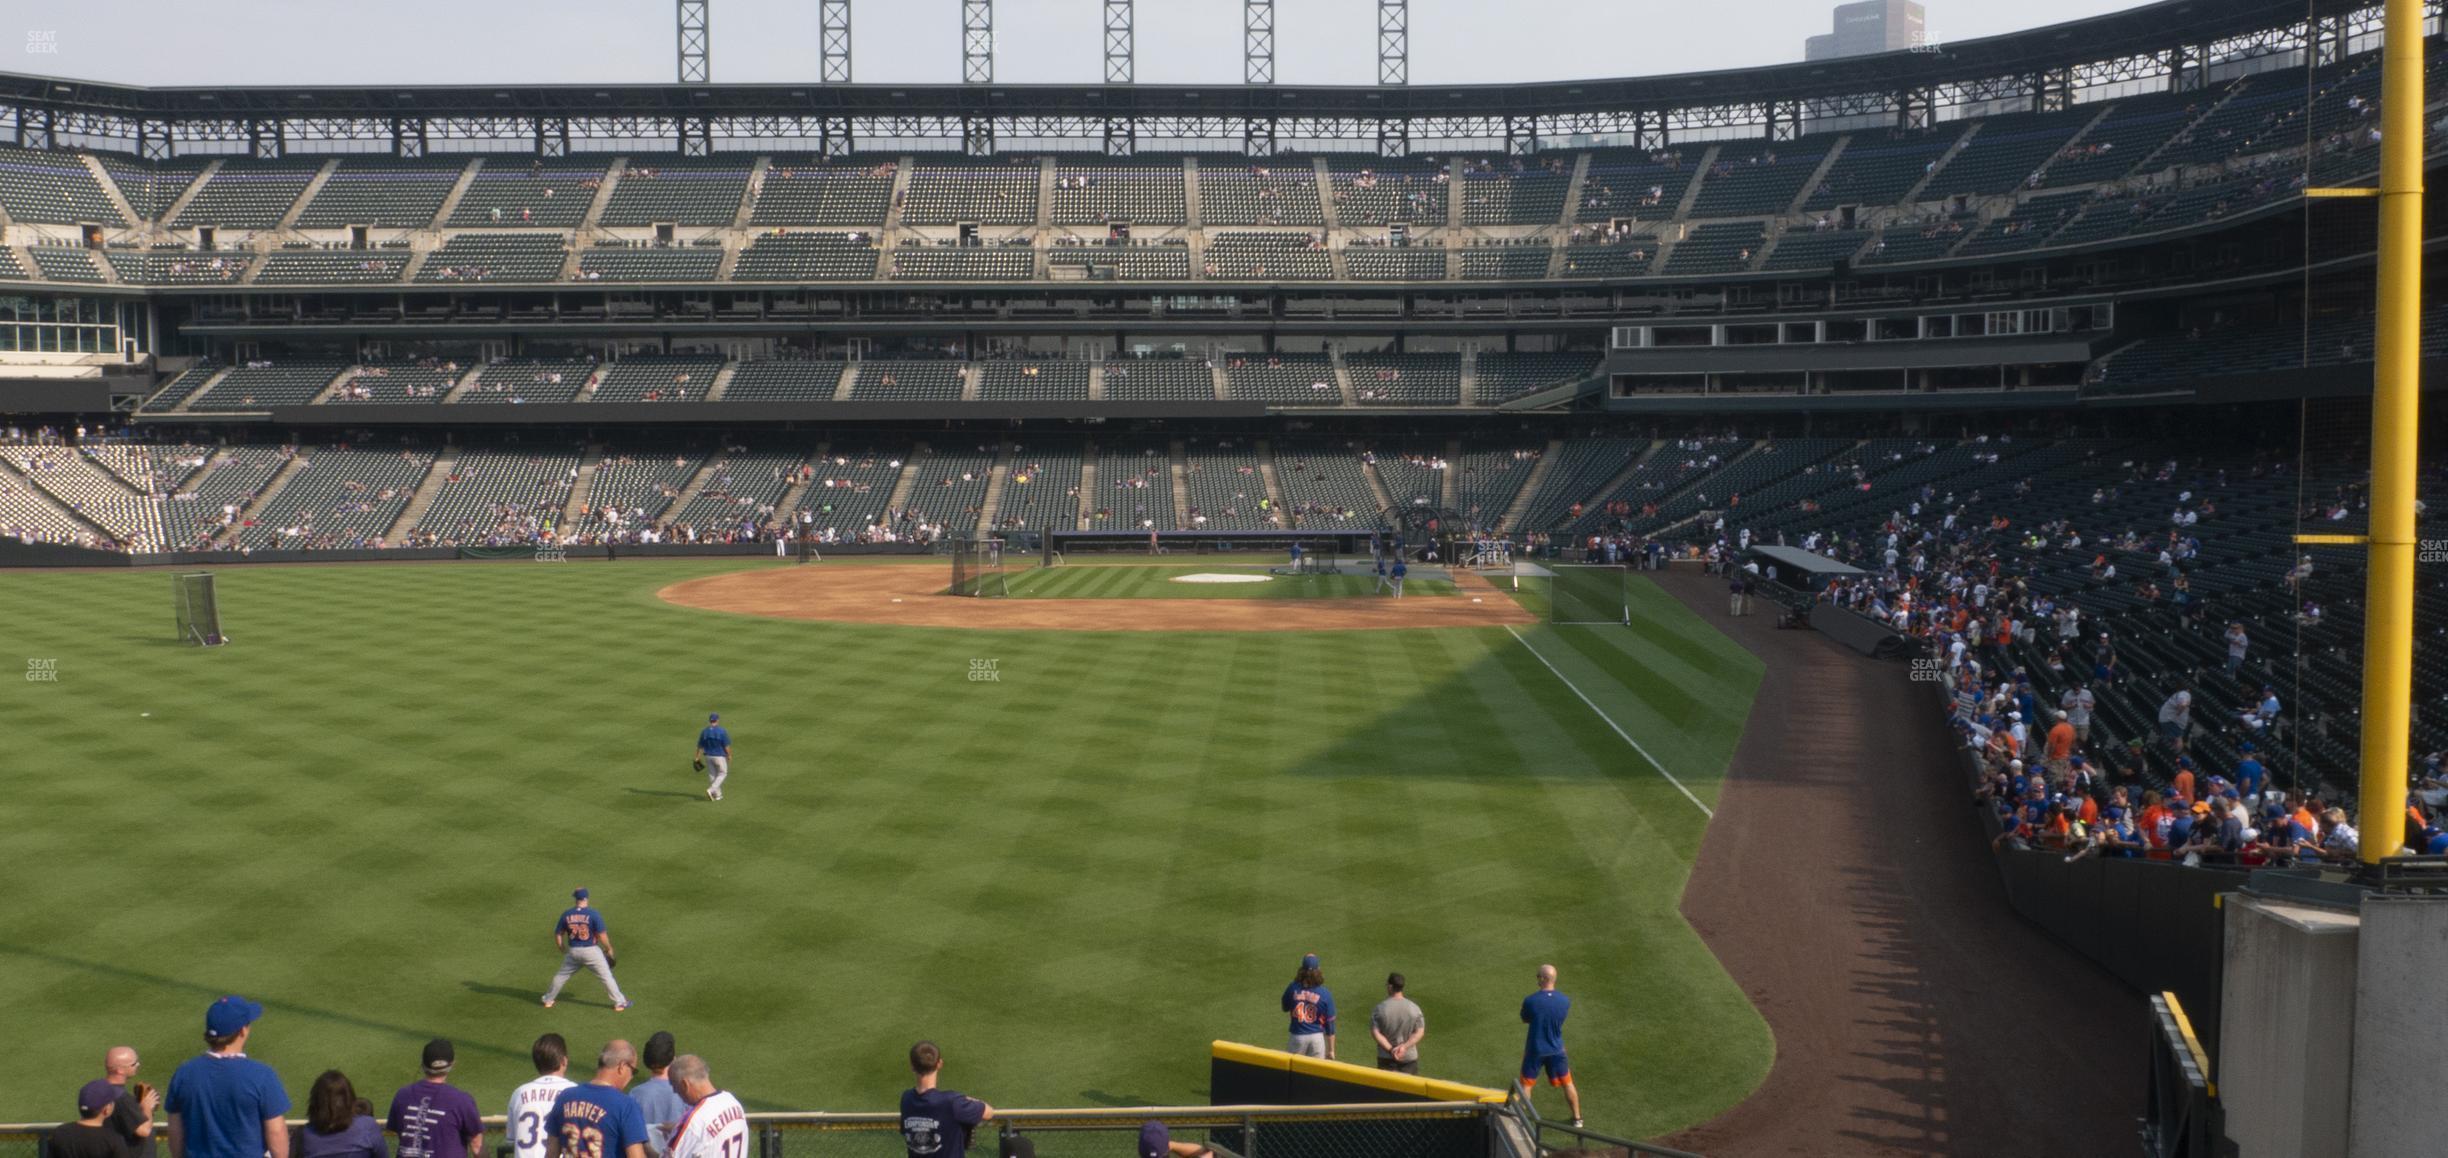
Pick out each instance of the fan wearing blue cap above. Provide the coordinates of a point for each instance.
(222, 1103)
(714, 754)
(1312, 1007)
(585, 942)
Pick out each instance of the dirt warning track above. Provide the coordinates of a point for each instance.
(911, 596)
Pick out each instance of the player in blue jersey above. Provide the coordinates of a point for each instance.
(1312, 1007)
(1544, 1012)
(585, 943)
(714, 754)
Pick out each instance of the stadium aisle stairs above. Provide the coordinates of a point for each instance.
(898, 501)
(110, 188)
(1181, 479)
(444, 463)
(1266, 462)
(992, 504)
(314, 185)
(603, 194)
(1376, 485)
(458, 190)
(1342, 379)
(582, 488)
(263, 500)
(1512, 519)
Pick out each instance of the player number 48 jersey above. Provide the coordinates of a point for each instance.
(716, 1128)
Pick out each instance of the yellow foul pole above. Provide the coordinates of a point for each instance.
(2388, 626)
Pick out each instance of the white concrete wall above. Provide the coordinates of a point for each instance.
(2286, 1028)
(2400, 1102)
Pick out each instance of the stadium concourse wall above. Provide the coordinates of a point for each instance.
(2156, 925)
(16, 554)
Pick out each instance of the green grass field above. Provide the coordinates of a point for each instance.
(1127, 581)
(366, 811)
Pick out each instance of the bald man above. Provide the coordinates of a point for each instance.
(1544, 1012)
(132, 1117)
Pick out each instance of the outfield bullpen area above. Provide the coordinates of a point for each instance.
(1073, 857)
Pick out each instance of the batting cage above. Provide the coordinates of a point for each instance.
(1578, 593)
(977, 567)
(1311, 557)
(197, 613)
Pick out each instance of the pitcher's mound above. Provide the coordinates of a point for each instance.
(912, 596)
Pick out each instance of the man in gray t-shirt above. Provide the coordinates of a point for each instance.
(1398, 1025)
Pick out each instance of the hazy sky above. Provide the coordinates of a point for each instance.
(342, 42)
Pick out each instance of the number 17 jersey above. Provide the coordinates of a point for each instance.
(714, 1128)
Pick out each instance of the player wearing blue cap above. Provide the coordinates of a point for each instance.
(714, 754)
(1312, 1007)
(585, 942)
(1544, 1012)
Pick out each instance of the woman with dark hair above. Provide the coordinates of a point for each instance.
(338, 1124)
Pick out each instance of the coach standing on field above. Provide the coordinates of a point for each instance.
(714, 754)
(1544, 1012)
(585, 943)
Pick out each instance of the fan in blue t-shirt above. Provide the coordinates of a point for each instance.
(598, 1120)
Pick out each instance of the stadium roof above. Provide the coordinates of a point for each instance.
(2139, 32)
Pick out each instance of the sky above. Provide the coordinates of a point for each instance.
(1318, 42)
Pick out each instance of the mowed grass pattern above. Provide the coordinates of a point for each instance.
(366, 811)
(1110, 581)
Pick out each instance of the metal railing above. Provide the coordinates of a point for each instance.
(1517, 1131)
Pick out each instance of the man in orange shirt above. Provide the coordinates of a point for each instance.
(2060, 744)
(2182, 782)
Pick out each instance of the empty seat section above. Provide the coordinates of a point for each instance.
(1238, 191)
(1515, 190)
(1390, 191)
(1033, 380)
(53, 187)
(1405, 379)
(804, 191)
(508, 191)
(1267, 257)
(1158, 379)
(382, 192)
(964, 263)
(1093, 194)
(331, 266)
(784, 381)
(951, 193)
(270, 384)
(681, 192)
(247, 194)
(695, 263)
(908, 381)
(807, 257)
(657, 378)
(1299, 379)
(496, 257)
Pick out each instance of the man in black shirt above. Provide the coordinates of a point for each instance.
(132, 1117)
(88, 1137)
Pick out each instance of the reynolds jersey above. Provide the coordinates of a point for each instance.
(714, 1128)
(528, 1106)
(583, 927)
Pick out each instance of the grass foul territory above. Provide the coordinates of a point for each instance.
(1072, 858)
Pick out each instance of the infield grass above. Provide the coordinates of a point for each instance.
(366, 811)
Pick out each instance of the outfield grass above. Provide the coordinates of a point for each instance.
(1111, 581)
(366, 811)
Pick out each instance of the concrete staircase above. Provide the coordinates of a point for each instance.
(1944, 159)
(210, 384)
(465, 382)
(1691, 192)
(1449, 487)
(1511, 520)
(973, 379)
(1343, 384)
(1325, 192)
(1274, 485)
(228, 536)
(788, 505)
(423, 500)
(900, 196)
(458, 192)
(178, 204)
(1045, 192)
(1818, 175)
(1470, 377)
(996, 475)
(1376, 486)
(748, 199)
(1572, 192)
(603, 193)
(582, 489)
(110, 189)
(1088, 487)
(1223, 383)
(898, 500)
(849, 379)
(722, 381)
(1194, 211)
(707, 471)
(1181, 484)
(305, 197)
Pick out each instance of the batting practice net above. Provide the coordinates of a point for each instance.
(977, 568)
(198, 613)
(1578, 593)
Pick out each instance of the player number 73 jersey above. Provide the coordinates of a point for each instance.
(716, 1128)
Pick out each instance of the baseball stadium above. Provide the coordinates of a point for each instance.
(1875, 604)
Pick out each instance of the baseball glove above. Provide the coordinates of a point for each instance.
(699, 765)
(611, 960)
